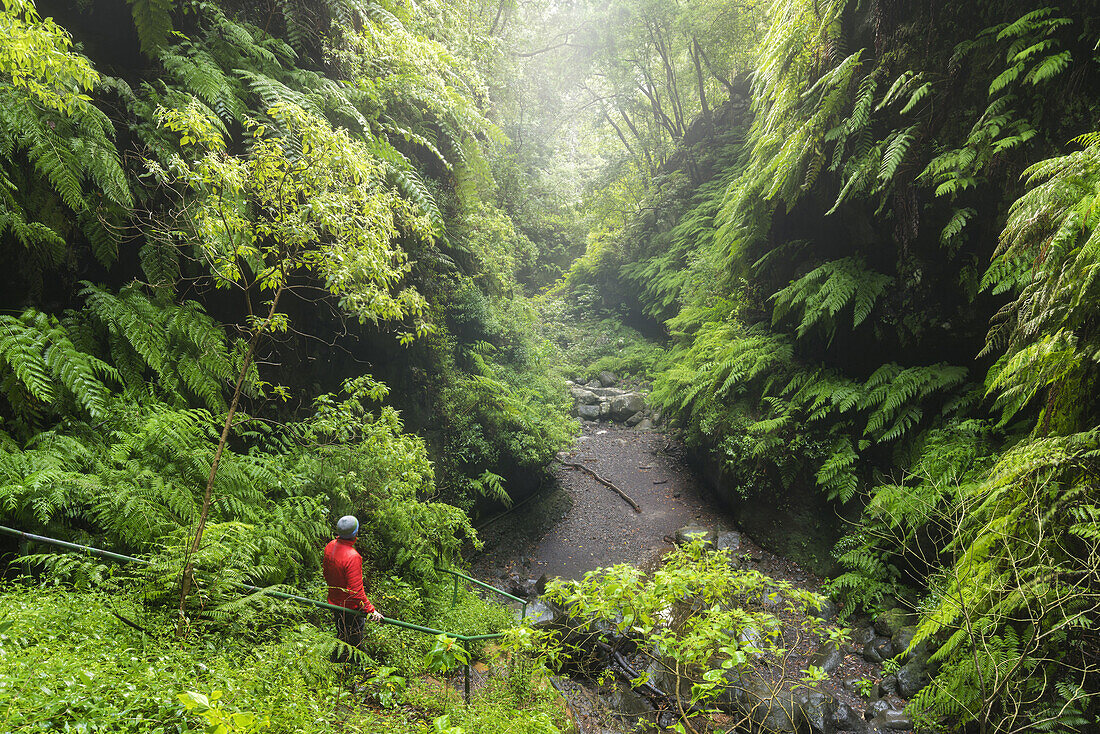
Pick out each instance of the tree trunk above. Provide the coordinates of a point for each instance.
(188, 569)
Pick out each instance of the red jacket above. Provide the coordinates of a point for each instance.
(344, 575)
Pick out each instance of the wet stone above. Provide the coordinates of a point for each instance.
(876, 708)
(890, 622)
(827, 657)
(845, 719)
(878, 649)
(729, 540)
(893, 720)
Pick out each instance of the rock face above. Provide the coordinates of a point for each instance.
(597, 400)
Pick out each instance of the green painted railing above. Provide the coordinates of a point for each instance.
(459, 575)
(464, 639)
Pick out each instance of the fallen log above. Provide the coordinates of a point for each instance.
(601, 480)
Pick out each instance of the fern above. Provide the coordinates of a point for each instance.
(153, 20)
(823, 292)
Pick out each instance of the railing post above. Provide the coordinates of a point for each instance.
(466, 647)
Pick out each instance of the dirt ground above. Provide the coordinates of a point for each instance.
(581, 525)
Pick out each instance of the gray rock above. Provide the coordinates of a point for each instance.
(626, 703)
(729, 540)
(607, 379)
(593, 383)
(645, 424)
(540, 614)
(845, 719)
(888, 686)
(684, 533)
(588, 412)
(851, 684)
(902, 638)
(771, 708)
(912, 677)
(861, 636)
(817, 709)
(827, 657)
(878, 649)
(635, 419)
(876, 708)
(605, 409)
(826, 613)
(890, 622)
(893, 719)
(584, 397)
(624, 406)
(607, 392)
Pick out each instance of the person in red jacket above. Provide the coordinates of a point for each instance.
(343, 567)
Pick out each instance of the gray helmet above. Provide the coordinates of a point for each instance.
(347, 527)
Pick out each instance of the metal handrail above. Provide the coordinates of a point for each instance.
(459, 575)
(464, 639)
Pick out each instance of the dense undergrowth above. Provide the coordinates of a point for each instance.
(68, 662)
(255, 275)
(877, 269)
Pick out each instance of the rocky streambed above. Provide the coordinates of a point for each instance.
(578, 525)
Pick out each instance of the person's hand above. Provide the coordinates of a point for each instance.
(376, 616)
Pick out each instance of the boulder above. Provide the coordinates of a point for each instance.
(634, 419)
(877, 707)
(606, 392)
(770, 707)
(826, 613)
(878, 649)
(861, 636)
(888, 686)
(624, 406)
(607, 379)
(540, 614)
(913, 676)
(593, 383)
(893, 719)
(584, 397)
(626, 703)
(729, 540)
(588, 412)
(645, 424)
(605, 409)
(890, 622)
(828, 657)
(816, 709)
(845, 719)
(903, 638)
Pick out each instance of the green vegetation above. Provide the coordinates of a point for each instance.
(262, 265)
(875, 265)
(254, 278)
(69, 662)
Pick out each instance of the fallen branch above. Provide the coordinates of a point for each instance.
(601, 480)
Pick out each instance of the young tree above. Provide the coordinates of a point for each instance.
(307, 200)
